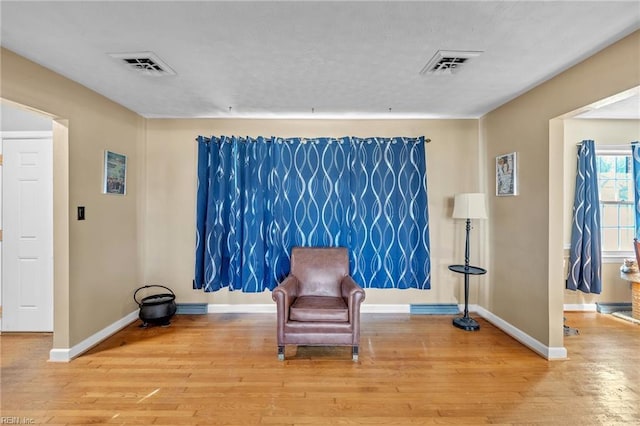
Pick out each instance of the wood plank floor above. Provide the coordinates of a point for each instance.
(413, 370)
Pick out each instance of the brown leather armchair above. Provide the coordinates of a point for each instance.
(318, 304)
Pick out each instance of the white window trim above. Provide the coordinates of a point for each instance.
(614, 256)
(617, 256)
(608, 256)
(614, 150)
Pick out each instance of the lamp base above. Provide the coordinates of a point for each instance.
(466, 323)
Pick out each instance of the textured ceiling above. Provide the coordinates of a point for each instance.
(313, 59)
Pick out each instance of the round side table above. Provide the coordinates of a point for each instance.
(465, 322)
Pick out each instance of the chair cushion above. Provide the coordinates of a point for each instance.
(319, 308)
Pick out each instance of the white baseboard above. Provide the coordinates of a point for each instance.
(248, 308)
(550, 353)
(385, 309)
(66, 355)
(582, 307)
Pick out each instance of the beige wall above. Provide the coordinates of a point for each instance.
(452, 166)
(526, 240)
(604, 132)
(96, 262)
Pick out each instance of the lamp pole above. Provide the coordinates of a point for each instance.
(466, 267)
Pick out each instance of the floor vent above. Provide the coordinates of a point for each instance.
(191, 308)
(146, 63)
(608, 308)
(448, 61)
(434, 309)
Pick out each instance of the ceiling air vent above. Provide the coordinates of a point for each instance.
(448, 61)
(146, 63)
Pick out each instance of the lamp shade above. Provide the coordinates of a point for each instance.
(469, 206)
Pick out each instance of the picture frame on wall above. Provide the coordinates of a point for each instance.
(115, 173)
(506, 175)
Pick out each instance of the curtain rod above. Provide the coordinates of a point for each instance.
(426, 140)
(611, 146)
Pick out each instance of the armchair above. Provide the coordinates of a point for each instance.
(318, 304)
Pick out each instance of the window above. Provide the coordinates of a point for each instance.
(615, 184)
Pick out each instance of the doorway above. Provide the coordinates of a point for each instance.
(26, 202)
(612, 121)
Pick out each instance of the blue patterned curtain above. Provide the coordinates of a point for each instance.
(259, 197)
(635, 151)
(389, 219)
(584, 256)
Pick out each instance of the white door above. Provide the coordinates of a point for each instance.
(27, 216)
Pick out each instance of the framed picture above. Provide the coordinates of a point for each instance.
(115, 173)
(506, 175)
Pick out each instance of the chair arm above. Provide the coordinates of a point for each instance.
(284, 295)
(352, 293)
(354, 296)
(286, 292)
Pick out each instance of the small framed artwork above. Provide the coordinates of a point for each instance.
(506, 175)
(115, 173)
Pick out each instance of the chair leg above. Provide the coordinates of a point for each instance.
(354, 353)
(280, 353)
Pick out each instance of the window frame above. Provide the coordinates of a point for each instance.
(615, 256)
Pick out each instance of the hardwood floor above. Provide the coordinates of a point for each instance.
(413, 369)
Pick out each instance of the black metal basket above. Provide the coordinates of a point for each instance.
(156, 309)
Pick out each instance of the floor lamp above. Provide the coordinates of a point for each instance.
(468, 206)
